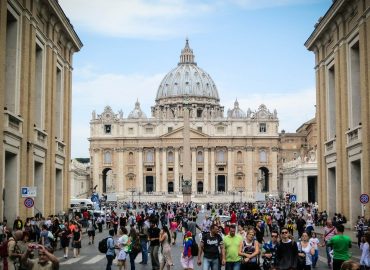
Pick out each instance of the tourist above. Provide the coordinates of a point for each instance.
(286, 252)
(249, 251)
(186, 255)
(165, 240)
(212, 247)
(135, 247)
(46, 260)
(340, 244)
(305, 252)
(314, 242)
(153, 233)
(76, 244)
(232, 243)
(365, 252)
(111, 253)
(91, 227)
(329, 232)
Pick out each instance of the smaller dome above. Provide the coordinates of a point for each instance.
(236, 113)
(136, 113)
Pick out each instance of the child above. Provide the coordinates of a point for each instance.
(314, 242)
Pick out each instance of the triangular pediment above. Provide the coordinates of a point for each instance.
(178, 134)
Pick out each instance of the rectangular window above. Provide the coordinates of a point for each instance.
(39, 85)
(199, 129)
(149, 130)
(221, 169)
(169, 129)
(354, 86)
(263, 128)
(331, 102)
(170, 169)
(59, 103)
(200, 169)
(130, 130)
(12, 67)
(199, 113)
(220, 129)
(149, 169)
(107, 129)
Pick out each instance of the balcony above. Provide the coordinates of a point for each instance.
(12, 122)
(354, 136)
(40, 136)
(330, 147)
(60, 147)
(221, 163)
(148, 163)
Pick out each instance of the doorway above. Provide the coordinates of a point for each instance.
(149, 183)
(221, 183)
(312, 189)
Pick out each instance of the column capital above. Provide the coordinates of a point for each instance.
(205, 149)
(275, 149)
(230, 148)
(193, 149)
(249, 148)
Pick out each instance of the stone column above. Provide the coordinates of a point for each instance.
(230, 169)
(121, 181)
(157, 168)
(176, 173)
(140, 176)
(193, 170)
(249, 168)
(164, 181)
(206, 176)
(213, 189)
(274, 154)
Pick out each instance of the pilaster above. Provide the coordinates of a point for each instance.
(163, 186)
(176, 173)
(213, 189)
(157, 168)
(249, 168)
(230, 169)
(193, 170)
(206, 172)
(140, 176)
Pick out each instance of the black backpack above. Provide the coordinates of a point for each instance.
(103, 245)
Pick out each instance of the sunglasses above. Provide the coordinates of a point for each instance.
(284, 232)
(274, 236)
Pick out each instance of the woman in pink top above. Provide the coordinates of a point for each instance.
(173, 228)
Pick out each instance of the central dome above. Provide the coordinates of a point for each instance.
(187, 80)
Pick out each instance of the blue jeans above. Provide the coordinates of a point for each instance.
(132, 259)
(328, 249)
(315, 257)
(210, 264)
(144, 250)
(232, 266)
(110, 259)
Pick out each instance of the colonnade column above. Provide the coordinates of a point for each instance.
(193, 170)
(139, 181)
(213, 170)
(176, 173)
(206, 180)
(249, 168)
(157, 168)
(230, 169)
(164, 171)
(274, 158)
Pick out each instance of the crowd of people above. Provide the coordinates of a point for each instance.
(237, 236)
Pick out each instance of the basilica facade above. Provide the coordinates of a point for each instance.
(232, 153)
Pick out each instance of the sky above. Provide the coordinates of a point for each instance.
(253, 50)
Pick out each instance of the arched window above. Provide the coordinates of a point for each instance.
(263, 156)
(239, 157)
(221, 156)
(170, 158)
(149, 157)
(107, 157)
(200, 157)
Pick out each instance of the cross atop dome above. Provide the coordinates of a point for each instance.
(187, 56)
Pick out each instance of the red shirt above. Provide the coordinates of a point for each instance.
(233, 218)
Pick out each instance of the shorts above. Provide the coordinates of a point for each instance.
(187, 262)
(91, 233)
(122, 255)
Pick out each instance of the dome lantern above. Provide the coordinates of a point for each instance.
(187, 56)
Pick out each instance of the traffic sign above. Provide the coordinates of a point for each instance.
(293, 198)
(28, 192)
(29, 202)
(364, 198)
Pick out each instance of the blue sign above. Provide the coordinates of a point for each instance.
(364, 198)
(24, 190)
(293, 198)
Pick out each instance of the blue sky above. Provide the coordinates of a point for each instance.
(253, 50)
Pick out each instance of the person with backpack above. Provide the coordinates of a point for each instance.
(187, 254)
(135, 246)
(13, 251)
(110, 249)
(153, 238)
(165, 240)
(91, 227)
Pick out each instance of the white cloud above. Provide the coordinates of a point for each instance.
(293, 108)
(135, 18)
(261, 4)
(117, 91)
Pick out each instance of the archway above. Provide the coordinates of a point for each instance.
(170, 187)
(149, 183)
(263, 180)
(106, 178)
(221, 183)
(200, 187)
